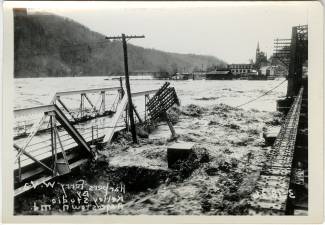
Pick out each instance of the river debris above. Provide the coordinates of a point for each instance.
(217, 180)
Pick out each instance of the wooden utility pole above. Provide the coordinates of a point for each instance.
(127, 81)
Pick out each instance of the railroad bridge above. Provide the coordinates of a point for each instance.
(282, 187)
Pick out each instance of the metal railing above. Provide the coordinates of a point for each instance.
(60, 136)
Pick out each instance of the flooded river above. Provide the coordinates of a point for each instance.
(229, 148)
(40, 91)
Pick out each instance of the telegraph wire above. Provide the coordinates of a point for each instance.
(265, 93)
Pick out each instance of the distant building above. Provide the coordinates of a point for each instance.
(242, 71)
(267, 71)
(198, 75)
(219, 75)
(238, 69)
(260, 57)
(281, 69)
(182, 76)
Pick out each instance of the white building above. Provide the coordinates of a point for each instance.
(267, 70)
(238, 69)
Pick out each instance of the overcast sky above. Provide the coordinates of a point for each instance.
(229, 31)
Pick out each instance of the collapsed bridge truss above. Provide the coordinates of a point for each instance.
(61, 138)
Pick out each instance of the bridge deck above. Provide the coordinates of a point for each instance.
(273, 187)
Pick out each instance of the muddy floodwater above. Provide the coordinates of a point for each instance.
(40, 91)
(133, 179)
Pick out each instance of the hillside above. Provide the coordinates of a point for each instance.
(47, 45)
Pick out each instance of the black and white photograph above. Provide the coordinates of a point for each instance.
(199, 109)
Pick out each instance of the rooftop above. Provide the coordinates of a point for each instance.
(219, 72)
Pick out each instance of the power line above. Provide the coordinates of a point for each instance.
(252, 100)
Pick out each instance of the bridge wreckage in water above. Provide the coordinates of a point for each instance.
(63, 139)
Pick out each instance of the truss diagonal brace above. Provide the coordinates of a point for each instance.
(31, 157)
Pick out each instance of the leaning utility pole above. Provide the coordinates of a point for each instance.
(127, 81)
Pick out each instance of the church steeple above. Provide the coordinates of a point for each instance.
(258, 47)
(261, 57)
(257, 53)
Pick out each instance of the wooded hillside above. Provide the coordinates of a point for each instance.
(47, 45)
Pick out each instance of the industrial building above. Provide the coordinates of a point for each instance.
(238, 69)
